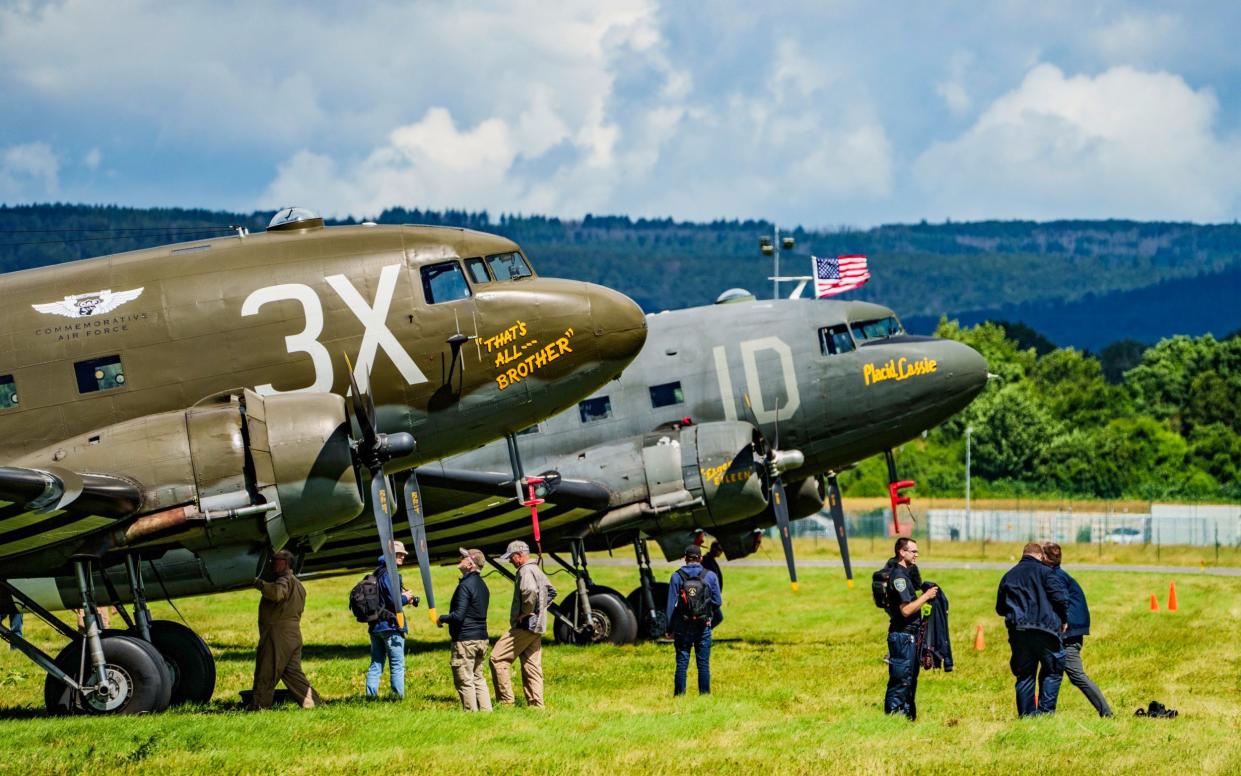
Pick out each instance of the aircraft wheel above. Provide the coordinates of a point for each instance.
(189, 661)
(651, 625)
(137, 680)
(612, 622)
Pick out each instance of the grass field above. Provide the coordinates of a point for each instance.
(797, 679)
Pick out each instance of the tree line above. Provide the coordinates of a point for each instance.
(1051, 424)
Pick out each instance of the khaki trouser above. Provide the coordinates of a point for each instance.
(527, 645)
(467, 674)
(279, 657)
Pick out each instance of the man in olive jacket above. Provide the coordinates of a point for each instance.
(467, 624)
(532, 594)
(279, 655)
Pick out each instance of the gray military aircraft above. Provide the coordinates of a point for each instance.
(180, 412)
(679, 442)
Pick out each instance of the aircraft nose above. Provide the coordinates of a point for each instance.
(964, 369)
(619, 325)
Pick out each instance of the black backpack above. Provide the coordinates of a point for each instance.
(365, 600)
(695, 600)
(879, 584)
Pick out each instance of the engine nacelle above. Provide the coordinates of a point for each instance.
(675, 480)
(290, 452)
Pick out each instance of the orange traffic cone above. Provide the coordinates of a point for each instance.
(1154, 603)
(979, 642)
(1172, 597)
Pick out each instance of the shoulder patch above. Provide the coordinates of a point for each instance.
(900, 584)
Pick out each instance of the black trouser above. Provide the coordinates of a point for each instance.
(1038, 659)
(902, 674)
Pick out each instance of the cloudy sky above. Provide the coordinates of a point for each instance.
(817, 113)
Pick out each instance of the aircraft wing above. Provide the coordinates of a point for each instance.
(40, 508)
(465, 509)
(575, 493)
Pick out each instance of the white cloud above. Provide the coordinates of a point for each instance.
(92, 159)
(953, 89)
(1125, 143)
(29, 171)
(1137, 37)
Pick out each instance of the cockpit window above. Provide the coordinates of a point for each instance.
(834, 340)
(477, 270)
(444, 282)
(881, 328)
(508, 266)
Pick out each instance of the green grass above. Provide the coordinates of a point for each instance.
(797, 678)
(877, 549)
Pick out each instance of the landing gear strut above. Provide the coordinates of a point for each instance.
(591, 614)
(647, 601)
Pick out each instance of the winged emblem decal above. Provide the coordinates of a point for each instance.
(85, 305)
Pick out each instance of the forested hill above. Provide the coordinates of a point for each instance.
(1012, 270)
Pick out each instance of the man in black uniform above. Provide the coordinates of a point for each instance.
(1034, 603)
(905, 616)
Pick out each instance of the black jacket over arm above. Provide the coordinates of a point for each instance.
(936, 643)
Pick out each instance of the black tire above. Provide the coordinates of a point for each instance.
(190, 662)
(612, 622)
(651, 625)
(138, 676)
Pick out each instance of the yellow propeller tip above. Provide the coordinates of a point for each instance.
(794, 586)
(850, 583)
(434, 617)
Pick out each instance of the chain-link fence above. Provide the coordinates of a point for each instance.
(1164, 524)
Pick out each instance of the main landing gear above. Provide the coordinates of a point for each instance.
(591, 614)
(147, 668)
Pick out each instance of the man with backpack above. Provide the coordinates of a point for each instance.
(371, 602)
(693, 598)
(900, 582)
(532, 594)
(467, 624)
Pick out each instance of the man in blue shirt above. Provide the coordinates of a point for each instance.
(387, 638)
(693, 598)
(1079, 628)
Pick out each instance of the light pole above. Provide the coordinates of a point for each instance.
(969, 430)
(772, 247)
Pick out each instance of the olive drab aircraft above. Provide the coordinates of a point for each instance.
(725, 404)
(181, 412)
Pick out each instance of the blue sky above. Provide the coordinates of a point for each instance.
(815, 113)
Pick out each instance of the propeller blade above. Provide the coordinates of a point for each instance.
(838, 521)
(780, 505)
(363, 409)
(381, 504)
(418, 527)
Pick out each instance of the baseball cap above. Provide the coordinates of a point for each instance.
(476, 557)
(693, 551)
(284, 555)
(515, 547)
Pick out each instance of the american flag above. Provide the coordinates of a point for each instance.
(835, 276)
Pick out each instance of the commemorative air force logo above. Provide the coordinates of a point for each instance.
(85, 305)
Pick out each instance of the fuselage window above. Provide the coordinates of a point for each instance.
(595, 409)
(478, 271)
(8, 392)
(99, 374)
(507, 266)
(879, 329)
(529, 430)
(667, 395)
(444, 283)
(834, 340)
